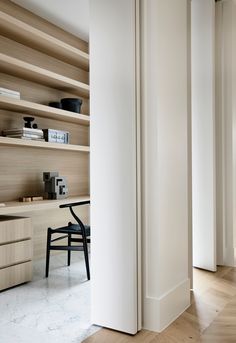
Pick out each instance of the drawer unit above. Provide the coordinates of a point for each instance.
(14, 229)
(15, 275)
(15, 251)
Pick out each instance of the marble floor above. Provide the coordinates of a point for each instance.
(50, 310)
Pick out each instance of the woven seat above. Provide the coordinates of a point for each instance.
(73, 229)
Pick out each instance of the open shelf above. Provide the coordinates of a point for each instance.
(12, 207)
(26, 107)
(39, 40)
(42, 145)
(24, 70)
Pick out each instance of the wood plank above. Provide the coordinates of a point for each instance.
(203, 321)
(30, 36)
(15, 275)
(44, 145)
(27, 107)
(42, 24)
(38, 93)
(14, 229)
(13, 207)
(27, 54)
(21, 173)
(14, 253)
(46, 77)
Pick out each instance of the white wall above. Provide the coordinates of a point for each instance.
(165, 138)
(226, 128)
(203, 133)
(72, 15)
(113, 164)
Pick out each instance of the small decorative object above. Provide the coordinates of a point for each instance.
(55, 185)
(25, 199)
(56, 136)
(36, 198)
(29, 131)
(55, 104)
(29, 199)
(28, 123)
(71, 104)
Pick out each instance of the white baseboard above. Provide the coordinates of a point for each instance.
(161, 312)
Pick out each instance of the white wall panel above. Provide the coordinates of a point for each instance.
(203, 134)
(113, 164)
(165, 139)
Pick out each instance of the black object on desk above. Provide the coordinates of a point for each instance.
(78, 229)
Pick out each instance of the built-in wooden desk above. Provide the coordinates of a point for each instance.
(14, 207)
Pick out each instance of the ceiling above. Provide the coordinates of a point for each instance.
(70, 15)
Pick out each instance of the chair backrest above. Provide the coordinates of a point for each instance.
(70, 206)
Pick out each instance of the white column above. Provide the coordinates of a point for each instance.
(203, 134)
(226, 129)
(165, 139)
(114, 164)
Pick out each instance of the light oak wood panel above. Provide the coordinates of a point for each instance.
(13, 207)
(41, 24)
(78, 134)
(14, 229)
(46, 77)
(42, 145)
(210, 318)
(42, 41)
(21, 173)
(22, 167)
(14, 253)
(30, 108)
(15, 275)
(38, 93)
(29, 55)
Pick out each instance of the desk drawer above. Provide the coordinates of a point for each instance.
(14, 229)
(15, 275)
(15, 253)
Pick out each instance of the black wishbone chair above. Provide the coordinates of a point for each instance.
(78, 229)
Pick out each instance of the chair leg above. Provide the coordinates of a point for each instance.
(48, 251)
(86, 257)
(69, 251)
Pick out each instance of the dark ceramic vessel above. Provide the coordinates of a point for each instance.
(55, 104)
(71, 104)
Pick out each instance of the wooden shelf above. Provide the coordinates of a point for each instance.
(26, 107)
(24, 207)
(30, 36)
(42, 145)
(24, 70)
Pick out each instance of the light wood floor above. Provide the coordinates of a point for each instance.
(210, 318)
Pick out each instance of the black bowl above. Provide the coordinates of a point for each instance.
(55, 104)
(71, 104)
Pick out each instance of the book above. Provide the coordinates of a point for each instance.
(22, 131)
(10, 95)
(9, 91)
(28, 138)
(24, 136)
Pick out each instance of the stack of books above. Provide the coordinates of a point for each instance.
(10, 93)
(25, 133)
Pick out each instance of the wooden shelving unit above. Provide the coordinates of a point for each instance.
(16, 207)
(42, 145)
(44, 63)
(31, 108)
(24, 70)
(28, 35)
